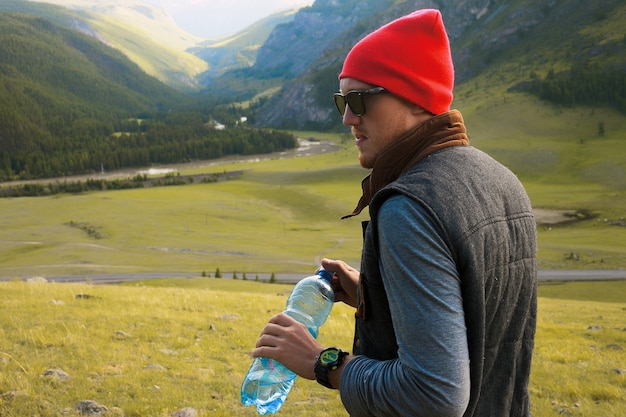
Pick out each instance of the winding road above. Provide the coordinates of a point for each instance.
(543, 275)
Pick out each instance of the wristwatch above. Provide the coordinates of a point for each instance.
(328, 360)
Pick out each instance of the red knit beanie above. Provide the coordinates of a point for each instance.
(410, 57)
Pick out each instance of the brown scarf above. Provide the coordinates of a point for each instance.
(439, 132)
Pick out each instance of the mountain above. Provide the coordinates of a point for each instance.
(143, 32)
(239, 50)
(521, 39)
(58, 84)
(50, 66)
(61, 80)
(71, 105)
(288, 55)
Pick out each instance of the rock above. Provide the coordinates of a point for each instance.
(57, 302)
(116, 412)
(594, 327)
(41, 280)
(121, 334)
(83, 296)
(90, 408)
(186, 412)
(95, 376)
(56, 373)
(564, 411)
(9, 395)
(155, 367)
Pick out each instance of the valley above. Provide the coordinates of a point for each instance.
(89, 108)
(145, 299)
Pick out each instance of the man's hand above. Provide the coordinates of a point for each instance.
(289, 342)
(345, 280)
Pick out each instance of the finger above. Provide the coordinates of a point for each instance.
(337, 267)
(282, 319)
(265, 351)
(330, 265)
(273, 329)
(267, 340)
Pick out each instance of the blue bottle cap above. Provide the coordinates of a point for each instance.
(325, 274)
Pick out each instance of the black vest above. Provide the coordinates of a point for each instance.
(491, 234)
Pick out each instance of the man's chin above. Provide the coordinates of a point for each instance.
(365, 162)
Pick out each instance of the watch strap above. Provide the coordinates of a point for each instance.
(322, 368)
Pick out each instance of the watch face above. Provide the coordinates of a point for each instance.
(329, 356)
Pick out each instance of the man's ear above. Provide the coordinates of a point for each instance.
(417, 110)
(419, 113)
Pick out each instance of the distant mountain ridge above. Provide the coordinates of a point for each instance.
(485, 34)
(312, 42)
(143, 32)
(152, 20)
(58, 84)
(61, 76)
(59, 65)
(69, 104)
(239, 50)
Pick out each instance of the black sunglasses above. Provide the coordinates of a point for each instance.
(355, 100)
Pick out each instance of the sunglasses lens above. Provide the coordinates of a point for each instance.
(355, 101)
(340, 102)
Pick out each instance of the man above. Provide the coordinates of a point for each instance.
(446, 296)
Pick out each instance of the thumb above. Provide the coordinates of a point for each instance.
(336, 266)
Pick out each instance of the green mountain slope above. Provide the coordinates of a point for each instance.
(51, 63)
(239, 50)
(59, 85)
(143, 32)
(562, 57)
(147, 19)
(541, 85)
(520, 41)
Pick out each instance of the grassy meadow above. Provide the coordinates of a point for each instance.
(154, 347)
(282, 215)
(279, 217)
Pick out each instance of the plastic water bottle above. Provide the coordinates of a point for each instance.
(268, 382)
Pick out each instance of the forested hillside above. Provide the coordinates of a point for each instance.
(146, 34)
(239, 50)
(570, 52)
(69, 105)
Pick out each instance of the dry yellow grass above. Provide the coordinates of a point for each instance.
(149, 351)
